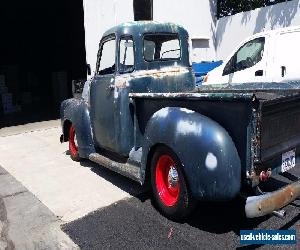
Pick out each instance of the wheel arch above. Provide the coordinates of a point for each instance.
(76, 112)
(199, 150)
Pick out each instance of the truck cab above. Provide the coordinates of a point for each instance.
(133, 58)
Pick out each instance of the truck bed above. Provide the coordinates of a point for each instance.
(263, 122)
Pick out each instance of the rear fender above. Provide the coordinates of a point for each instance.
(76, 111)
(208, 155)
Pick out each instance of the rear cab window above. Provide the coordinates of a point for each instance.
(161, 47)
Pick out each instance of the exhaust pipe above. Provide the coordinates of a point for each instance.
(280, 213)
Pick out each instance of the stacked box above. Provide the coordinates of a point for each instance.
(3, 88)
(7, 103)
(2, 79)
(6, 98)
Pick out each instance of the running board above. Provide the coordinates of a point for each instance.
(129, 170)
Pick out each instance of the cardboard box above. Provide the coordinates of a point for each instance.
(2, 79)
(3, 89)
(6, 98)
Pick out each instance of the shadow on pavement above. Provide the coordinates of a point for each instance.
(124, 183)
(214, 217)
(136, 222)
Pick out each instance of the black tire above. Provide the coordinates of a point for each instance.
(73, 148)
(184, 203)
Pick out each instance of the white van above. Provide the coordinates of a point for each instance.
(272, 56)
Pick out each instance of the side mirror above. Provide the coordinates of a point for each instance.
(88, 68)
(229, 67)
(77, 87)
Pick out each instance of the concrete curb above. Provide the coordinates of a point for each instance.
(26, 223)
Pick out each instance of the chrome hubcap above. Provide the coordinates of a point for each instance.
(75, 140)
(173, 177)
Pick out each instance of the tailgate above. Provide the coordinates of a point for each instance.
(280, 129)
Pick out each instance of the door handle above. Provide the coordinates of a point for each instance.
(111, 87)
(259, 72)
(283, 71)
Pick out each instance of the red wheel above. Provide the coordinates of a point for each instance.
(170, 190)
(167, 180)
(73, 146)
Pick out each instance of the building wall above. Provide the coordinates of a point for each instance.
(99, 16)
(232, 30)
(211, 39)
(198, 17)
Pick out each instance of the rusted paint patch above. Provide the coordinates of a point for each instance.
(121, 82)
(216, 96)
(157, 73)
(127, 169)
(280, 199)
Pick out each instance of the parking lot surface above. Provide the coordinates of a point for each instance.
(40, 162)
(99, 209)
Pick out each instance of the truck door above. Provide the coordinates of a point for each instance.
(248, 64)
(102, 95)
(286, 67)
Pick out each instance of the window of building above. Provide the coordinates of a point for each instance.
(200, 49)
(143, 10)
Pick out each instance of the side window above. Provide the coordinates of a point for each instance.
(126, 55)
(161, 47)
(106, 62)
(247, 56)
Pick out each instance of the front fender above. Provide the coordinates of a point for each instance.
(77, 112)
(209, 157)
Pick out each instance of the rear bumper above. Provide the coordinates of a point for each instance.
(261, 205)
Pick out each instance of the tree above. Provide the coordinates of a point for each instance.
(231, 7)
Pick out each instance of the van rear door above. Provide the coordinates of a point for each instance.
(286, 57)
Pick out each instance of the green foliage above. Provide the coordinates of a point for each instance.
(231, 7)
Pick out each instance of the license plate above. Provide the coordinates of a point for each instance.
(288, 160)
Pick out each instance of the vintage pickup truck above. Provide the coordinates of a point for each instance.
(141, 116)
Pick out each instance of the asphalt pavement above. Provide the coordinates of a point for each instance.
(134, 223)
(48, 201)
